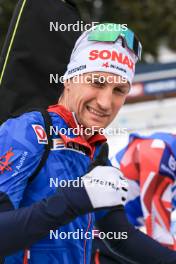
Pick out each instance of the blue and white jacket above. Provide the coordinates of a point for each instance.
(22, 141)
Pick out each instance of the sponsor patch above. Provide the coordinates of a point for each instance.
(113, 56)
(117, 68)
(58, 143)
(5, 164)
(106, 65)
(112, 66)
(41, 134)
(80, 68)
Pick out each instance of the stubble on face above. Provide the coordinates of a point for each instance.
(95, 103)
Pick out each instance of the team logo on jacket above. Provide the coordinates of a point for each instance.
(41, 134)
(5, 164)
(58, 143)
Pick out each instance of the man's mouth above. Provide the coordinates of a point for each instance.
(96, 112)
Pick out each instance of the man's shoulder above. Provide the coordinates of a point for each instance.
(27, 129)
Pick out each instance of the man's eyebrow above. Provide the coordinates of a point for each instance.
(95, 76)
(98, 77)
(119, 84)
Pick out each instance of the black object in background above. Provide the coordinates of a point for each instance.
(32, 52)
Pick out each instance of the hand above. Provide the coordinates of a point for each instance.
(102, 187)
(105, 185)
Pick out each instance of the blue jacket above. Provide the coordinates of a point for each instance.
(22, 142)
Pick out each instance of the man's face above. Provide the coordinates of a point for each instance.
(96, 98)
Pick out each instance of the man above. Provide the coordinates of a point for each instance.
(88, 106)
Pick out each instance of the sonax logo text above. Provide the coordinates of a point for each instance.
(113, 56)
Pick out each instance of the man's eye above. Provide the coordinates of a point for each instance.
(121, 91)
(98, 83)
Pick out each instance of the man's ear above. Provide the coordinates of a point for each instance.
(67, 85)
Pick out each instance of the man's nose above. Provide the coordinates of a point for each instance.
(104, 99)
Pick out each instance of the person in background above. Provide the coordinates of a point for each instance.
(149, 165)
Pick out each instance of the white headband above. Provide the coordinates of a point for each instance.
(93, 56)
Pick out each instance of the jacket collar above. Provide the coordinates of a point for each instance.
(70, 120)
